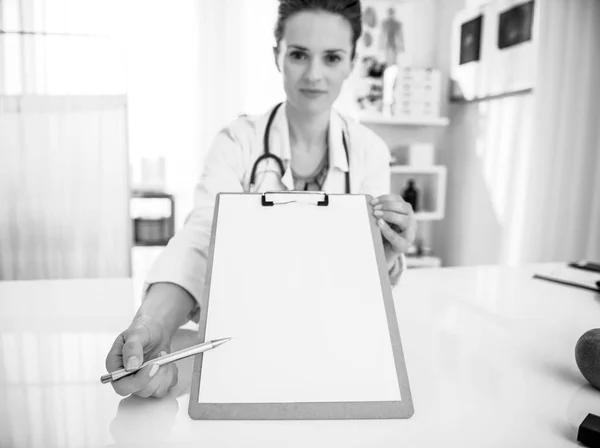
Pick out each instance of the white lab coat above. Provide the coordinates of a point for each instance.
(228, 167)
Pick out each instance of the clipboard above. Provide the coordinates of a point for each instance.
(301, 348)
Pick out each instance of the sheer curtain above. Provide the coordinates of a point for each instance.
(64, 187)
(64, 208)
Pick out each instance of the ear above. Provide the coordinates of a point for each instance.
(276, 57)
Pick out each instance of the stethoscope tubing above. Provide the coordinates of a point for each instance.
(268, 155)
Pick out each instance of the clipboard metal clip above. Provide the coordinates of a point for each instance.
(287, 197)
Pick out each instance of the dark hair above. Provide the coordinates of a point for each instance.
(348, 9)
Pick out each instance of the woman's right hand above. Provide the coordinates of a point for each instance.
(144, 340)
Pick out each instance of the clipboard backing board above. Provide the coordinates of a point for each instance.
(302, 287)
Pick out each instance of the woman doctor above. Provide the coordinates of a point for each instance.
(302, 144)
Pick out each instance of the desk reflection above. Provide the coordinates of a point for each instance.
(149, 421)
(144, 421)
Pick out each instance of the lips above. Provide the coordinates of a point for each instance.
(312, 93)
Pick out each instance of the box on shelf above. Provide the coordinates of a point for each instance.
(414, 155)
(421, 154)
(416, 109)
(419, 78)
(412, 89)
(419, 74)
(417, 92)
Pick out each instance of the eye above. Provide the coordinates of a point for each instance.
(297, 55)
(332, 58)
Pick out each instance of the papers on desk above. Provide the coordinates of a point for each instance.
(571, 277)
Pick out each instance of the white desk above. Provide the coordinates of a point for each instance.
(489, 352)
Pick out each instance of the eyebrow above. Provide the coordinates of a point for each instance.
(332, 50)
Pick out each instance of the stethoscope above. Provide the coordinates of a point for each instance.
(267, 154)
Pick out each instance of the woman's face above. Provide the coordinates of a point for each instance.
(315, 58)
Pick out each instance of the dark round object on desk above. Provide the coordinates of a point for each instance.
(587, 356)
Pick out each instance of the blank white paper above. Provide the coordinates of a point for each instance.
(297, 287)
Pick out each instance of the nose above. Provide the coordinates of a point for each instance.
(314, 71)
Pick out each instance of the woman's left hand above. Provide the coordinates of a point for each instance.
(396, 219)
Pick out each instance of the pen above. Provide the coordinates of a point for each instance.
(161, 361)
(565, 282)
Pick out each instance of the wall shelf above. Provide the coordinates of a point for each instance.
(431, 183)
(423, 262)
(411, 169)
(403, 121)
(429, 216)
(454, 99)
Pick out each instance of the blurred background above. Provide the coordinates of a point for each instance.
(491, 110)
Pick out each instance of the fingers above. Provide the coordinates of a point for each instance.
(135, 382)
(158, 376)
(169, 381)
(114, 359)
(151, 381)
(128, 352)
(397, 204)
(396, 219)
(175, 377)
(387, 198)
(402, 221)
(398, 243)
(395, 211)
(133, 348)
(161, 382)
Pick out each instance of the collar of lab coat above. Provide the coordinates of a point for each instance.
(280, 138)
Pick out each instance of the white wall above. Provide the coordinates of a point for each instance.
(193, 66)
(161, 56)
(237, 72)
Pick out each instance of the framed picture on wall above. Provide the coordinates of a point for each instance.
(468, 54)
(516, 25)
(470, 40)
(493, 50)
(512, 62)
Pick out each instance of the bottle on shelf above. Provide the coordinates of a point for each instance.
(411, 195)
